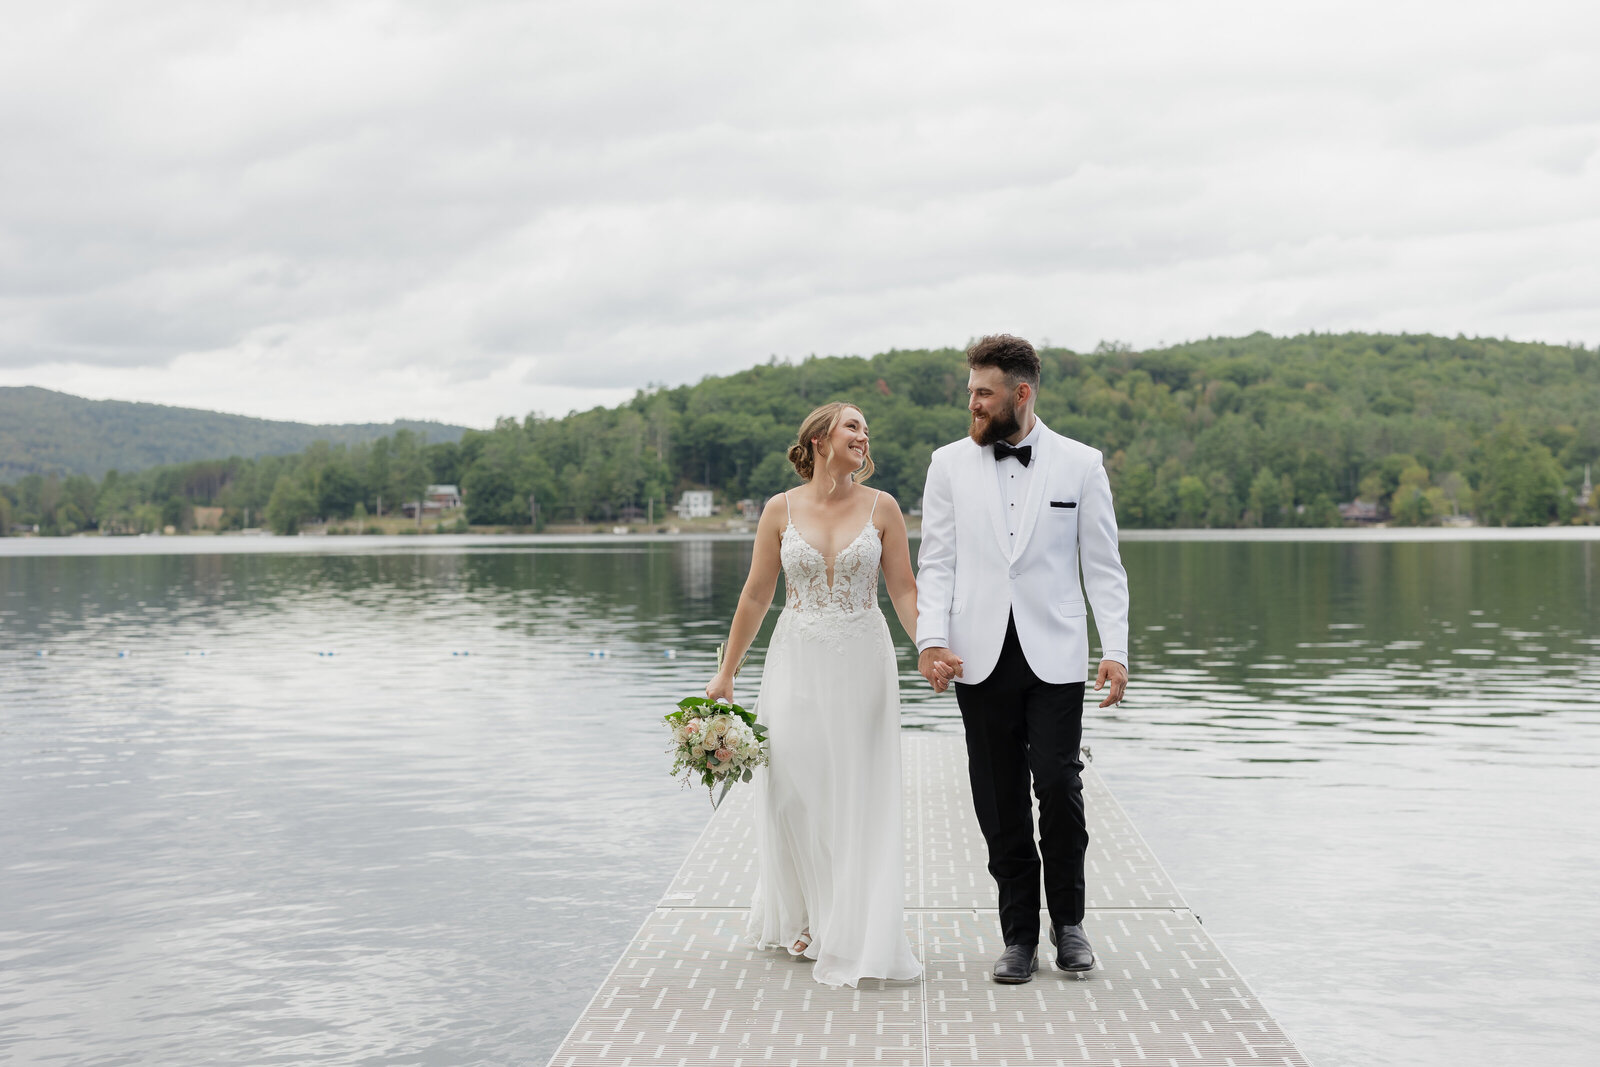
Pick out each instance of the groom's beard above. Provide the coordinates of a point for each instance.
(997, 427)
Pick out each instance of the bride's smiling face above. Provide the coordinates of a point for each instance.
(846, 447)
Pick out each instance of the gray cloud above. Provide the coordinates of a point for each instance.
(342, 211)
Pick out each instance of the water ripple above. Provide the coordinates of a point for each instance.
(399, 807)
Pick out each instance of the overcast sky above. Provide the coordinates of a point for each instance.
(335, 211)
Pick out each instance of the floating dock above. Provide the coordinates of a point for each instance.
(689, 991)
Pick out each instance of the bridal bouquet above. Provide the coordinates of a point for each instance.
(715, 742)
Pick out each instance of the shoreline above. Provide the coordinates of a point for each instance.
(270, 544)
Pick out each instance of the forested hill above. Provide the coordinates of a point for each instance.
(1256, 430)
(45, 432)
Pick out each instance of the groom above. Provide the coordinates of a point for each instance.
(1008, 518)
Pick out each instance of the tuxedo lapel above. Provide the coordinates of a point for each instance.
(989, 492)
(1042, 457)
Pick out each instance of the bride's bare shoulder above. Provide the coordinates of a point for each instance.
(774, 514)
(886, 511)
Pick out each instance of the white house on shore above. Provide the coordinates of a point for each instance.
(438, 499)
(443, 497)
(695, 504)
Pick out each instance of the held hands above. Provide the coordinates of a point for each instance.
(721, 687)
(940, 667)
(1117, 675)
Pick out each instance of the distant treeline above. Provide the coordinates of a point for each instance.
(45, 432)
(1252, 431)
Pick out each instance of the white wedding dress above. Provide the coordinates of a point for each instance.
(830, 853)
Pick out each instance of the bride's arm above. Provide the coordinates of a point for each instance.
(754, 600)
(897, 575)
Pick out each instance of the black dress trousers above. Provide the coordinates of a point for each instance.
(1020, 728)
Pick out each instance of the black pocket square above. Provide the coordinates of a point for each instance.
(1063, 503)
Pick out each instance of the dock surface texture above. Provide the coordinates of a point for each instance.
(690, 991)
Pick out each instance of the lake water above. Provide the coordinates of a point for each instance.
(386, 803)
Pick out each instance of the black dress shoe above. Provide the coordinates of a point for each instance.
(1017, 964)
(1072, 948)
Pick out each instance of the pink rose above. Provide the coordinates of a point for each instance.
(724, 754)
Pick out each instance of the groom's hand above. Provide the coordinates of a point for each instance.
(940, 667)
(1115, 673)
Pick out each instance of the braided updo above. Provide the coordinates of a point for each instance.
(820, 424)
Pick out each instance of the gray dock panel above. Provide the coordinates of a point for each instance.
(689, 991)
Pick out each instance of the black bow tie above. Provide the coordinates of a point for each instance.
(1024, 453)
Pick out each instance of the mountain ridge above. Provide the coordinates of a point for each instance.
(43, 431)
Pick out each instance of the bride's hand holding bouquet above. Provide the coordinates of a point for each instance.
(721, 687)
(714, 739)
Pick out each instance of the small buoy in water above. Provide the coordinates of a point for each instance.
(670, 653)
(44, 652)
(598, 653)
(123, 654)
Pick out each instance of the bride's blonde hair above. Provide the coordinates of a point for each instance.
(820, 424)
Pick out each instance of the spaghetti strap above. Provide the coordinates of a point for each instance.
(875, 500)
(788, 512)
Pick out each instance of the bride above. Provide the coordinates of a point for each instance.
(830, 860)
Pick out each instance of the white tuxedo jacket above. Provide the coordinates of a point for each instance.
(969, 578)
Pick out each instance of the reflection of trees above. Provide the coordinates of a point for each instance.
(1260, 599)
(1266, 599)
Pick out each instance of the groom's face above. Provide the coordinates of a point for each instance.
(992, 401)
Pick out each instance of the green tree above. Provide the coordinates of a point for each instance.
(1457, 494)
(1321, 512)
(338, 490)
(1134, 497)
(1410, 504)
(291, 504)
(1222, 506)
(1269, 499)
(408, 471)
(1522, 485)
(377, 479)
(444, 463)
(146, 518)
(1191, 502)
(490, 489)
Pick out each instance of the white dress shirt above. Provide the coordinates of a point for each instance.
(1014, 481)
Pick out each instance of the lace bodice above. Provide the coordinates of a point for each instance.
(855, 573)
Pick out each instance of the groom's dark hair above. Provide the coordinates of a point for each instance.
(1015, 357)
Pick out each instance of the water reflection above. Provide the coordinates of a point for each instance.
(391, 806)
